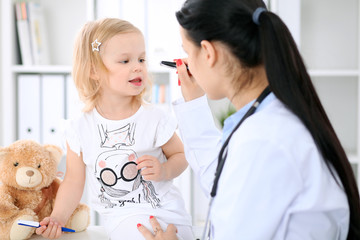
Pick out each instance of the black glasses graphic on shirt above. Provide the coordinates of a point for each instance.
(128, 173)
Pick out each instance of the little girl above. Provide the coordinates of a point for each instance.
(127, 150)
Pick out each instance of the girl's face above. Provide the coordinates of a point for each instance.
(124, 58)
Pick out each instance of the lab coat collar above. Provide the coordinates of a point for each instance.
(232, 120)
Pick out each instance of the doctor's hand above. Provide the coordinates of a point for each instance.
(151, 168)
(159, 234)
(50, 228)
(190, 89)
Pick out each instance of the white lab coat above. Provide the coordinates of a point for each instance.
(275, 183)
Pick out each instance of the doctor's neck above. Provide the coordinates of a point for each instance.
(249, 86)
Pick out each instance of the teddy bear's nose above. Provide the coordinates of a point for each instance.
(29, 173)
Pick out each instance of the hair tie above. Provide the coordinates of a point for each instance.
(257, 13)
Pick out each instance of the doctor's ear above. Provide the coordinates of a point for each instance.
(210, 53)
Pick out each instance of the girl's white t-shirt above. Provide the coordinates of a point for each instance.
(110, 147)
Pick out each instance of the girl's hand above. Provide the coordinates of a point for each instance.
(169, 234)
(50, 228)
(152, 168)
(189, 87)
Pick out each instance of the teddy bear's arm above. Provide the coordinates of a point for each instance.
(55, 186)
(7, 206)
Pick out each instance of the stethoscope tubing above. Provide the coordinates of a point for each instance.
(223, 155)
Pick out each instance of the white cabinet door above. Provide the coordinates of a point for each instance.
(52, 107)
(29, 106)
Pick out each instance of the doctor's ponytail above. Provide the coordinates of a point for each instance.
(290, 82)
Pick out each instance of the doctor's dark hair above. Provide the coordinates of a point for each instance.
(271, 44)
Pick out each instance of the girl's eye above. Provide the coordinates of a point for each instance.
(16, 164)
(142, 60)
(39, 165)
(126, 61)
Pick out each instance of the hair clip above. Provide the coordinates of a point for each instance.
(95, 45)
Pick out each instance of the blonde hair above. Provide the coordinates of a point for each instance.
(86, 61)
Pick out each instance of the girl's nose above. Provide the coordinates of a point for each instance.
(137, 67)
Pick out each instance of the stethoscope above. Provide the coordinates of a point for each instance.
(223, 154)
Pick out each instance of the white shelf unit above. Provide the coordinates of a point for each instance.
(63, 20)
(328, 36)
(330, 44)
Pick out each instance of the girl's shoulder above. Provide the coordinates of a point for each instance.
(156, 110)
(78, 120)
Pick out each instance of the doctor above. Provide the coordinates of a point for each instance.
(280, 170)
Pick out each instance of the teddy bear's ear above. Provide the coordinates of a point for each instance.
(55, 151)
(3, 153)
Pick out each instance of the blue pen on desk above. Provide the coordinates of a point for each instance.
(36, 225)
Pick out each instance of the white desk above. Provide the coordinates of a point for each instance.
(91, 233)
(99, 233)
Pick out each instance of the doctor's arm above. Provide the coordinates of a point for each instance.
(202, 139)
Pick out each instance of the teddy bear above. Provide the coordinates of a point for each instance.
(28, 187)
